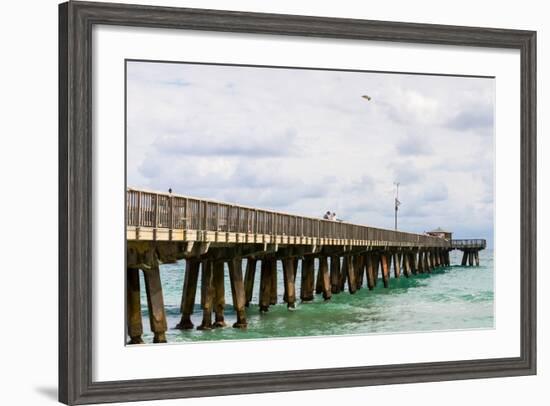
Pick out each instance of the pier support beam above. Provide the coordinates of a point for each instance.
(476, 257)
(155, 303)
(464, 258)
(207, 294)
(273, 297)
(335, 274)
(471, 258)
(359, 271)
(343, 273)
(237, 291)
(420, 262)
(249, 279)
(397, 264)
(352, 287)
(325, 278)
(384, 259)
(319, 279)
(413, 262)
(376, 265)
(133, 297)
(189, 293)
(307, 285)
(370, 260)
(289, 279)
(426, 265)
(265, 285)
(219, 294)
(406, 264)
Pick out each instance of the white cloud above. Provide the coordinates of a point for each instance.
(305, 141)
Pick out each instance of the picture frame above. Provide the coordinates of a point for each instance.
(76, 20)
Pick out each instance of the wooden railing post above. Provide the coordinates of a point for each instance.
(186, 217)
(156, 211)
(217, 224)
(139, 209)
(171, 219)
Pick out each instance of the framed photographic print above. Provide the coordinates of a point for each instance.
(259, 202)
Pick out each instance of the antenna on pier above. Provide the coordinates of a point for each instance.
(397, 202)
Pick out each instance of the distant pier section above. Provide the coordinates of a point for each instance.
(333, 255)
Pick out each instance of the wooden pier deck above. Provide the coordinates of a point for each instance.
(163, 227)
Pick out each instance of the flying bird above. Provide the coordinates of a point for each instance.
(366, 97)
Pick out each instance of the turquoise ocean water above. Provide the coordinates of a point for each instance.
(453, 298)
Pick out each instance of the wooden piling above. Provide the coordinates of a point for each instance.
(376, 265)
(396, 264)
(476, 257)
(319, 279)
(133, 297)
(370, 270)
(352, 282)
(285, 293)
(427, 265)
(325, 277)
(335, 274)
(344, 273)
(219, 294)
(189, 293)
(420, 262)
(360, 271)
(464, 258)
(413, 262)
(384, 259)
(155, 304)
(470, 258)
(265, 285)
(406, 264)
(307, 285)
(273, 296)
(289, 280)
(237, 291)
(249, 280)
(207, 294)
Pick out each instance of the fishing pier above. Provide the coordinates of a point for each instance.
(333, 256)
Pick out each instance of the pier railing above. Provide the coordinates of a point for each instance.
(472, 243)
(145, 209)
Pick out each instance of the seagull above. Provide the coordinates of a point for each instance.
(366, 97)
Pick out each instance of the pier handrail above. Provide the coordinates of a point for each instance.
(172, 211)
(469, 243)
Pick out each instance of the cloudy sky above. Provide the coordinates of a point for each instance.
(304, 142)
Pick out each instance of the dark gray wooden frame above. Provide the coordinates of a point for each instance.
(75, 199)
